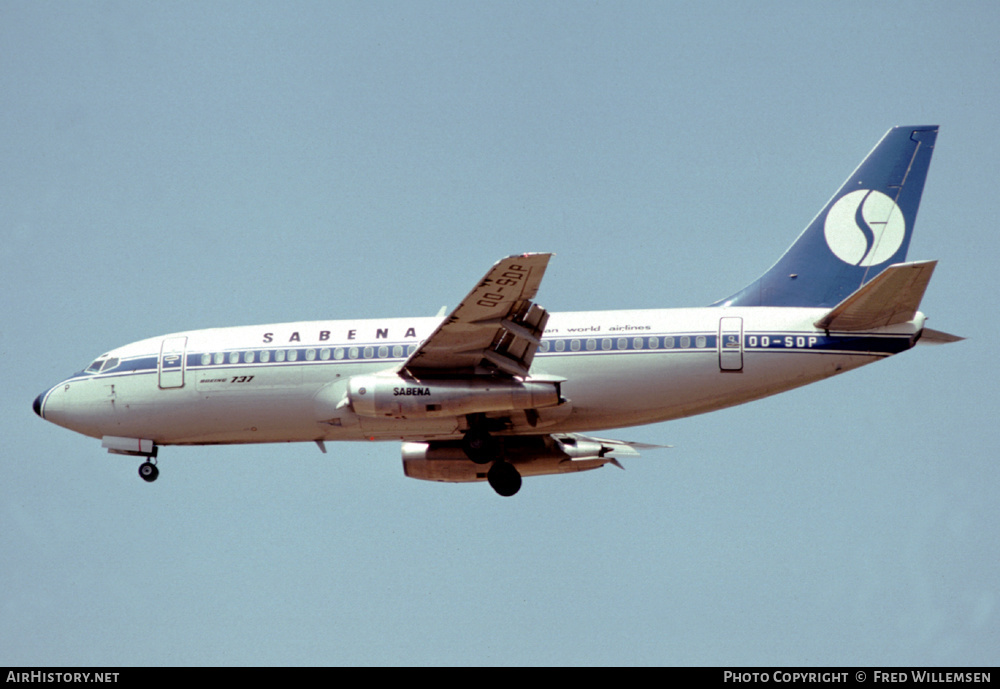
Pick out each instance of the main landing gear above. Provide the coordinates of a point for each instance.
(504, 478)
(482, 448)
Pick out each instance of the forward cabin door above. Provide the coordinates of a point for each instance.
(731, 344)
(172, 362)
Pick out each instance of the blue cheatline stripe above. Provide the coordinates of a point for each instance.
(688, 342)
(677, 343)
(821, 343)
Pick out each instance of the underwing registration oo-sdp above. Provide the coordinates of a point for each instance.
(499, 388)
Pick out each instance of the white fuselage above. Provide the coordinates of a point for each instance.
(287, 382)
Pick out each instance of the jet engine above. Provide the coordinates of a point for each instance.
(402, 398)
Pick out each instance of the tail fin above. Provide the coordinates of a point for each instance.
(862, 230)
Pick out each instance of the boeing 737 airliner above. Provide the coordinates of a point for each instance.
(499, 388)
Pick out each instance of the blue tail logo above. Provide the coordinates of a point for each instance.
(864, 228)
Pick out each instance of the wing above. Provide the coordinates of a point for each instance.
(495, 330)
(537, 455)
(585, 447)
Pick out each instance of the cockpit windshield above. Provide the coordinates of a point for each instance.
(103, 363)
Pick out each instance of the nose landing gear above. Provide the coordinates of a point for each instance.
(148, 471)
(135, 447)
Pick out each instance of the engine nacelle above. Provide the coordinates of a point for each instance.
(531, 455)
(400, 398)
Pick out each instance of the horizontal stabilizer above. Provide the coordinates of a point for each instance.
(934, 337)
(892, 297)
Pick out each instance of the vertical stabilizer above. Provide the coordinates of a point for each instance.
(862, 230)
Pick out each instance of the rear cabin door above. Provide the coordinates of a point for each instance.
(172, 362)
(731, 344)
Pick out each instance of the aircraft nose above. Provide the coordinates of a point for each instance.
(37, 404)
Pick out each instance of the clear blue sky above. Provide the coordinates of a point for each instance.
(171, 166)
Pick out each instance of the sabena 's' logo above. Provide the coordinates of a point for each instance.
(864, 228)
